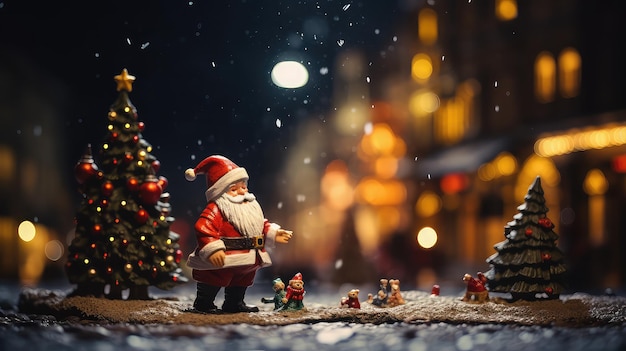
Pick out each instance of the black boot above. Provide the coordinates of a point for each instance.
(233, 300)
(205, 298)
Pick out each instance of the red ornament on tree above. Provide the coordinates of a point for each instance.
(135, 139)
(86, 168)
(128, 157)
(529, 232)
(150, 190)
(546, 257)
(142, 216)
(107, 188)
(97, 229)
(546, 223)
(156, 165)
(178, 256)
(114, 136)
(132, 184)
(141, 126)
(549, 291)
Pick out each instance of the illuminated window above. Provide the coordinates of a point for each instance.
(453, 119)
(545, 77)
(506, 10)
(596, 186)
(427, 26)
(569, 72)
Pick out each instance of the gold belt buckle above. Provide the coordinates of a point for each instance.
(258, 242)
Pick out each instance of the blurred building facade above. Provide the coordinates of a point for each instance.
(485, 97)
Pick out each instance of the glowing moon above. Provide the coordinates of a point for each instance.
(290, 74)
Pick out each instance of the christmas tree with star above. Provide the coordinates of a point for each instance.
(123, 239)
(528, 264)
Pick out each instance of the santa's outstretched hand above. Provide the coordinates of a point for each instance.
(283, 236)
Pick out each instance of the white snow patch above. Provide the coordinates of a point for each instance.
(332, 336)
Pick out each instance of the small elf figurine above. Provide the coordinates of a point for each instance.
(295, 294)
(279, 293)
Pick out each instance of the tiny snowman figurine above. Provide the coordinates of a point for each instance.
(295, 294)
(352, 300)
(279, 293)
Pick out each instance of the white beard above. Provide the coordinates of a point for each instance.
(243, 212)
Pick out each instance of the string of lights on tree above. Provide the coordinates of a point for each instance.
(123, 238)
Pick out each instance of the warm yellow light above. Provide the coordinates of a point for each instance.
(545, 77)
(26, 231)
(110, 127)
(581, 140)
(335, 186)
(486, 172)
(428, 204)
(421, 67)
(105, 146)
(427, 237)
(569, 72)
(427, 26)
(595, 182)
(506, 9)
(421, 103)
(289, 74)
(127, 125)
(127, 109)
(506, 164)
(382, 139)
(386, 167)
(378, 193)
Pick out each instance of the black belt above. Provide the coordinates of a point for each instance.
(256, 242)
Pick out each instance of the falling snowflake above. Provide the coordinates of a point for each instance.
(340, 42)
(300, 198)
(367, 79)
(145, 45)
(324, 71)
(307, 160)
(497, 108)
(495, 84)
(279, 205)
(278, 123)
(346, 7)
(128, 41)
(338, 263)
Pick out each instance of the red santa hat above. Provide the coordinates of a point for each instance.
(297, 277)
(220, 174)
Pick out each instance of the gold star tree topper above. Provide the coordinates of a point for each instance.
(125, 81)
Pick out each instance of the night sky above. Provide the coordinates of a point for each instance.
(203, 69)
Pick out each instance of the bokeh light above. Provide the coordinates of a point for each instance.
(289, 74)
(427, 237)
(26, 231)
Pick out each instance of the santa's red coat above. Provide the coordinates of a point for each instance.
(240, 265)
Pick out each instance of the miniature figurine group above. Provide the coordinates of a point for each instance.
(388, 295)
(289, 299)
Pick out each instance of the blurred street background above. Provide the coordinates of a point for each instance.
(403, 149)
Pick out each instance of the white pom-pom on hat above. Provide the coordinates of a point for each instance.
(190, 174)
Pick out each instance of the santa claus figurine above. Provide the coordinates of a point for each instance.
(231, 234)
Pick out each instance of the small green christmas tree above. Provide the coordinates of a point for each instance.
(122, 238)
(528, 264)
